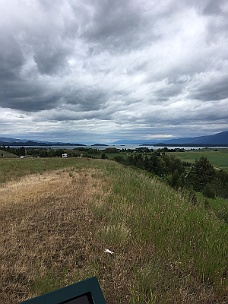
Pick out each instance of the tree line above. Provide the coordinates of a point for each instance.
(41, 152)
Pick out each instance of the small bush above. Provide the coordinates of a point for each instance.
(209, 191)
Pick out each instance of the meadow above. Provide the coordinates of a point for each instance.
(57, 217)
(217, 157)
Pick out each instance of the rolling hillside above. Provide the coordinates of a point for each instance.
(57, 217)
(6, 154)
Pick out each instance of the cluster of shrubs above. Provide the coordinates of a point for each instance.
(199, 176)
(204, 178)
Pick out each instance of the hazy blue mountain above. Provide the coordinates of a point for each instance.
(219, 139)
(24, 142)
(9, 140)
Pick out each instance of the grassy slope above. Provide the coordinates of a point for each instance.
(56, 225)
(7, 154)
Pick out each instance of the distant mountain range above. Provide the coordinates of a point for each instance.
(24, 142)
(219, 139)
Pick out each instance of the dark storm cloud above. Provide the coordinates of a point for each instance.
(214, 7)
(113, 22)
(168, 91)
(88, 100)
(213, 90)
(123, 26)
(11, 58)
(27, 98)
(50, 59)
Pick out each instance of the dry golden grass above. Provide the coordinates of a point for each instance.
(47, 230)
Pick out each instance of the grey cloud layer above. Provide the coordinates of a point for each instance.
(148, 62)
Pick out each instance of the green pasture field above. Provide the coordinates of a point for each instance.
(217, 157)
(56, 224)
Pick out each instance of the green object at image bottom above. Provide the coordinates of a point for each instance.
(84, 292)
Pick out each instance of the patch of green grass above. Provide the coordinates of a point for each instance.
(115, 234)
(219, 206)
(218, 157)
(46, 283)
(185, 237)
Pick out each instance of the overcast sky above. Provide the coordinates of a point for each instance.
(104, 70)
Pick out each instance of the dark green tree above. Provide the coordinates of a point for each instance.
(22, 151)
(175, 181)
(104, 156)
(201, 173)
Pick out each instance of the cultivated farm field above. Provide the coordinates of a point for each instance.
(217, 157)
(57, 217)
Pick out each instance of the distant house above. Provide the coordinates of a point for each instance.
(64, 155)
